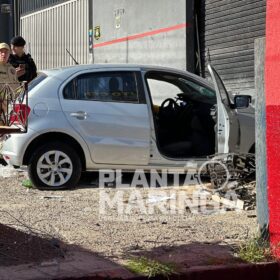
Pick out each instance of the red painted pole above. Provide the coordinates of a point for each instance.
(272, 84)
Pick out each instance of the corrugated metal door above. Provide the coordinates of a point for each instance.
(29, 6)
(51, 31)
(228, 28)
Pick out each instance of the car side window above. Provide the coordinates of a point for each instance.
(163, 85)
(69, 91)
(161, 90)
(105, 86)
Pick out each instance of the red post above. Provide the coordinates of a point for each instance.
(272, 84)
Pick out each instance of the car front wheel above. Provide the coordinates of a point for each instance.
(55, 166)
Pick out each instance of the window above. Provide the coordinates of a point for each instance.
(168, 85)
(222, 88)
(200, 90)
(106, 86)
(40, 77)
(161, 90)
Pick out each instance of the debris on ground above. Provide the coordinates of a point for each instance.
(233, 173)
(159, 198)
(52, 197)
(231, 204)
(247, 193)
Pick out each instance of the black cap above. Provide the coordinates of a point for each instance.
(18, 41)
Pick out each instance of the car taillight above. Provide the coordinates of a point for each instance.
(20, 114)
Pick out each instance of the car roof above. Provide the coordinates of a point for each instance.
(71, 70)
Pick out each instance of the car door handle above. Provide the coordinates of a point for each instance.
(79, 115)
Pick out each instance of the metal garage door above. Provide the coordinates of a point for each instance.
(49, 32)
(228, 29)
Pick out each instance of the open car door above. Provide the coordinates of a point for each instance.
(227, 128)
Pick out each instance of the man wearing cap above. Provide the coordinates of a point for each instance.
(7, 71)
(25, 66)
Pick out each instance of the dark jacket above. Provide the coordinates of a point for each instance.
(30, 66)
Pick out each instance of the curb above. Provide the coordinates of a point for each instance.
(261, 271)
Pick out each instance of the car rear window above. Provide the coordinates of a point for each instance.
(40, 77)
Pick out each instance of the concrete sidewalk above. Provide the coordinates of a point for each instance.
(80, 265)
(76, 265)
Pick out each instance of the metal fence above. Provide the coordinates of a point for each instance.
(49, 32)
(30, 6)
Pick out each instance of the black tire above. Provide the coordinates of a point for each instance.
(61, 147)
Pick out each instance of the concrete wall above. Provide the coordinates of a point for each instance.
(50, 31)
(123, 18)
(261, 172)
(272, 88)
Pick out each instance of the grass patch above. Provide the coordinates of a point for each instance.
(255, 250)
(150, 268)
(27, 184)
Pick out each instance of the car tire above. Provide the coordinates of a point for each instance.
(55, 166)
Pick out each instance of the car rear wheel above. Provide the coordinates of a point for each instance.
(55, 166)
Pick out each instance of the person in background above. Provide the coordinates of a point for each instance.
(25, 66)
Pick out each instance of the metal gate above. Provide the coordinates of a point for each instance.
(49, 32)
(228, 28)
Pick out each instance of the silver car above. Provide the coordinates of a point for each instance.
(128, 117)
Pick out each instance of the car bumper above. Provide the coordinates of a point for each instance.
(14, 147)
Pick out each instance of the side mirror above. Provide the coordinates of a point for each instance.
(242, 101)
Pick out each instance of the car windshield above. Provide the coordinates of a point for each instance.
(200, 90)
(37, 81)
(162, 84)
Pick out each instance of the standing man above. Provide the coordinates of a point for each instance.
(25, 66)
(7, 72)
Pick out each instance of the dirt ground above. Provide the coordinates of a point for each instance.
(74, 218)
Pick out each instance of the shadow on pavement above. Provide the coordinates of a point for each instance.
(91, 180)
(36, 255)
(189, 255)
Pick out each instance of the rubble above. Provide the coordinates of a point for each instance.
(233, 204)
(233, 173)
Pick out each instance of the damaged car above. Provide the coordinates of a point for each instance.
(93, 117)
